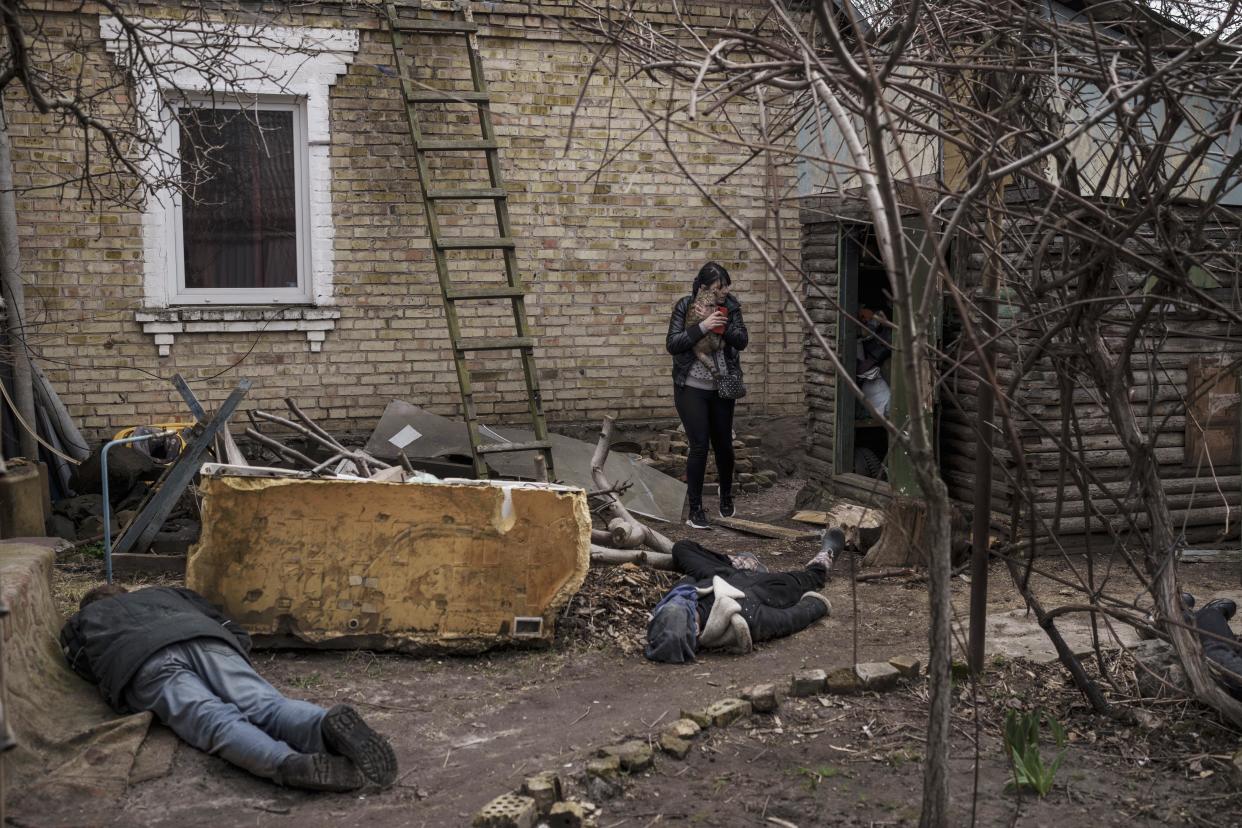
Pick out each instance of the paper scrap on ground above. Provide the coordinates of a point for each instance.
(404, 437)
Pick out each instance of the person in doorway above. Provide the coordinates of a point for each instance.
(718, 605)
(169, 651)
(875, 347)
(705, 413)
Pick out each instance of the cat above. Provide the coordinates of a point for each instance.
(705, 303)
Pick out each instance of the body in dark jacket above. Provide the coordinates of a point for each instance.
(680, 341)
(167, 650)
(110, 639)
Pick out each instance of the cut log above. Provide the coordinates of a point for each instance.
(602, 556)
(626, 534)
(901, 540)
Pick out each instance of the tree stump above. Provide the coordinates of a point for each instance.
(901, 542)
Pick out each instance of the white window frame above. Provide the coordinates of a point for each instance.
(179, 294)
(299, 63)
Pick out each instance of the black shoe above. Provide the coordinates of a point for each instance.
(1226, 606)
(698, 519)
(319, 772)
(345, 732)
(726, 506)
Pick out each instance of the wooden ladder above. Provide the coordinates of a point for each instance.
(461, 25)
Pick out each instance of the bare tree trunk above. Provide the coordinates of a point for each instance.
(1163, 540)
(15, 299)
(940, 688)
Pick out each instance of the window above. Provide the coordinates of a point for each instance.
(239, 242)
(241, 220)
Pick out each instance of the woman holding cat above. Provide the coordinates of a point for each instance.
(705, 334)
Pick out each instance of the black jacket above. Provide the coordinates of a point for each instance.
(112, 638)
(680, 342)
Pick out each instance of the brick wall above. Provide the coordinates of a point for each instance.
(606, 251)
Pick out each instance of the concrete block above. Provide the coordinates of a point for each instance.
(908, 666)
(807, 683)
(506, 811)
(457, 566)
(566, 815)
(605, 767)
(727, 711)
(763, 698)
(843, 681)
(699, 717)
(635, 756)
(879, 676)
(544, 788)
(673, 746)
(683, 729)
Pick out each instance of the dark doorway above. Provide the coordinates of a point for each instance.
(862, 442)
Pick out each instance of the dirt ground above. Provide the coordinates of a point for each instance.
(468, 729)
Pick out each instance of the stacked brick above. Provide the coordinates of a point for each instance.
(668, 450)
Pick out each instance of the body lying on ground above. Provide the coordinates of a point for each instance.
(169, 651)
(724, 603)
(1219, 642)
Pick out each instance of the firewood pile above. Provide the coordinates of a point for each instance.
(611, 609)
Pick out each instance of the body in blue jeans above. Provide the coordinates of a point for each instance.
(211, 697)
(170, 651)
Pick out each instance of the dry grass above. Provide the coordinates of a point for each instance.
(77, 573)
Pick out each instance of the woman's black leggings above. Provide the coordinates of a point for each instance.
(707, 417)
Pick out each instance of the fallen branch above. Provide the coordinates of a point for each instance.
(623, 526)
(602, 556)
(883, 573)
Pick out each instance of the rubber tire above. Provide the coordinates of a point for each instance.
(868, 463)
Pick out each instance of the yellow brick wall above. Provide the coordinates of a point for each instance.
(607, 250)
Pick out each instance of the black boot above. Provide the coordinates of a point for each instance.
(698, 518)
(319, 772)
(1226, 606)
(345, 732)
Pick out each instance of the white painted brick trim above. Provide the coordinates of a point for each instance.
(164, 324)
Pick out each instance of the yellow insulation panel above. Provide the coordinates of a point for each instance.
(457, 566)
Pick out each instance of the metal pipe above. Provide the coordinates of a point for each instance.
(107, 504)
(15, 301)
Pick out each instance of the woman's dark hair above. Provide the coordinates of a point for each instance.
(710, 274)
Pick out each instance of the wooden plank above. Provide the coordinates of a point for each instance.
(1211, 556)
(766, 530)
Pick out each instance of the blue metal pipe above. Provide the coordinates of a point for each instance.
(107, 504)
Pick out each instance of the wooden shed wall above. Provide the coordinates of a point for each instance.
(1207, 501)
